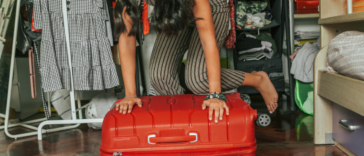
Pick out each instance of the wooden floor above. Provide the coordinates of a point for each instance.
(288, 135)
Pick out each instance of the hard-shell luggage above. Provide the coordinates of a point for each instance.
(178, 124)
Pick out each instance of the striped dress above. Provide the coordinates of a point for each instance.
(168, 53)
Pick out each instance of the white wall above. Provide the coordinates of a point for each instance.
(306, 24)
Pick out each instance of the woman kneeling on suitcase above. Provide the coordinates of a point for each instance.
(197, 26)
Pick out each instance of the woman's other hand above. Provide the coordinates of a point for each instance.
(127, 104)
(216, 105)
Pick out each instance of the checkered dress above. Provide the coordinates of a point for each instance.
(90, 41)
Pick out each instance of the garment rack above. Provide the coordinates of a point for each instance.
(74, 119)
(27, 124)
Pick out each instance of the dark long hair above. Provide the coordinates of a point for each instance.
(132, 9)
(172, 16)
(168, 16)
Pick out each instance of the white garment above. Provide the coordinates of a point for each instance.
(302, 65)
(261, 56)
(265, 45)
(256, 20)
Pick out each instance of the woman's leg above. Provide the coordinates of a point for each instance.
(166, 60)
(260, 81)
(196, 72)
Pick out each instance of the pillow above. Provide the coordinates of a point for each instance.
(345, 54)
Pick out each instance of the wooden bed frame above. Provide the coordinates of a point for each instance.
(329, 88)
(334, 88)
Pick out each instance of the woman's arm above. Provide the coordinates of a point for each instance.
(127, 47)
(206, 30)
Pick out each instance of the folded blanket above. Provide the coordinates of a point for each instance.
(257, 56)
(245, 42)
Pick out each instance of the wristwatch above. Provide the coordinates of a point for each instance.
(216, 95)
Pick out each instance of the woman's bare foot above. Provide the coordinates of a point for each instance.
(268, 91)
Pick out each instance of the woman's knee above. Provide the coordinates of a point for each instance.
(155, 79)
(160, 78)
(197, 84)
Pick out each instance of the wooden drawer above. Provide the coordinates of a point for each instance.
(351, 139)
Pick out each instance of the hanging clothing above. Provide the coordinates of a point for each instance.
(45, 105)
(90, 44)
(145, 21)
(231, 39)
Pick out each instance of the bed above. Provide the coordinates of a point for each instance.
(332, 91)
(338, 100)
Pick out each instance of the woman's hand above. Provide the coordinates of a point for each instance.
(217, 105)
(127, 104)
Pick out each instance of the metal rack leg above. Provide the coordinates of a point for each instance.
(49, 105)
(137, 72)
(63, 122)
(292, 80)
(79, 105)
(289, 37)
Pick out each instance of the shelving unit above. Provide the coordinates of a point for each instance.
(354, 17)
(329, 87)
(279, 12)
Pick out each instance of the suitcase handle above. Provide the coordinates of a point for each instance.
(192, 138)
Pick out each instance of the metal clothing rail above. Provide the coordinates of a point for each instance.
(26, 124)
(289, 6)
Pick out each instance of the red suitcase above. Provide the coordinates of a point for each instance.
(178, 124)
